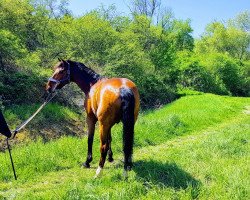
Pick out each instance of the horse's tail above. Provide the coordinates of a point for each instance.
(128, 120)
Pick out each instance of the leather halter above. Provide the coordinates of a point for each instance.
(67, 79)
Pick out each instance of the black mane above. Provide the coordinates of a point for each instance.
(90, 73)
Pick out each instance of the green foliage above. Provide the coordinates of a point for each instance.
(10, 48)
(228, 71)
(15, 87)
(212, 72)
(154, 91)
(241, 21)
(181, 35)
(246, 75)
(231, 38)
(158, 55)
(193, 74)
(96, 39)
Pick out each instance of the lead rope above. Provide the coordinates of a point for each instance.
(32, 116)
(28, 120)
(12, 163)
(22, 126)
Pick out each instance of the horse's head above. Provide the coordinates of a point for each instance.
(60, 77)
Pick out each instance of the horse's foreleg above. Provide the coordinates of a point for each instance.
(91, 121)
(104, 147)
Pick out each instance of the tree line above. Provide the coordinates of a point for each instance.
(149, 46)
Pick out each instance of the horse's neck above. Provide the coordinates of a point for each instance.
(85, 87)
(83, 80)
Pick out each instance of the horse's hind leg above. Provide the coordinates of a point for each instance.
(104, 147)
(110, 153)
(91, 121)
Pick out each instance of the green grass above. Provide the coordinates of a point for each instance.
(196, 147)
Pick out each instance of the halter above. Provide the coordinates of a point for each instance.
(67, 79)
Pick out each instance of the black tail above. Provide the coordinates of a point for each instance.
(128, 120)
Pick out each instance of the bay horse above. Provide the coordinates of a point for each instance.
(108, 101)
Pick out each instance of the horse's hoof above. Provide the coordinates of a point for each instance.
(86, 165)
(110, 159)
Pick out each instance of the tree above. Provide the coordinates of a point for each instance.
(51, 8)
(10, 47)
(145, 7)
(241, 21)
(231, 38)
(181, 35)
(153, 10)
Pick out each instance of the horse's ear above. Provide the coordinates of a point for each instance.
(59, 59)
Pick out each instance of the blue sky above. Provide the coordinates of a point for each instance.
(201, 12)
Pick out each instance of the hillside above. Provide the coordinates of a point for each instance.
(195, 147)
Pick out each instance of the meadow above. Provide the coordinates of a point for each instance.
(191, 147)
(194, 148)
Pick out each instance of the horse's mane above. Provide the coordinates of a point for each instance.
(90, 72)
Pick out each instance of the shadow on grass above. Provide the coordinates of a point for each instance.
(168, 175)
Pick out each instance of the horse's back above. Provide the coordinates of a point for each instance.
(106, 102)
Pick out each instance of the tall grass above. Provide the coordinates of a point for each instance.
(188, 114)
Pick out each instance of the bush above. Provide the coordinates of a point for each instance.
(10, 47)
(226, 70)
(214, 72)
(246, 80)
(19, 87)
(154, 92)
(194, 75)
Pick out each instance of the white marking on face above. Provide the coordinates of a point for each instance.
(57, 71)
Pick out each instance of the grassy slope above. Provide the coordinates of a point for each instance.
(52, 122)
(195, 147)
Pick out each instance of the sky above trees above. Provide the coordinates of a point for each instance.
(200, 12)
